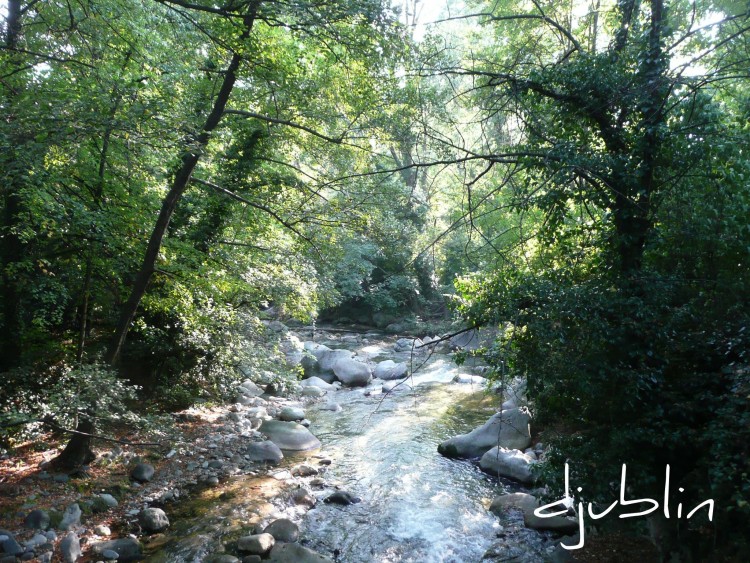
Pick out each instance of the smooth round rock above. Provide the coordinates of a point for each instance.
(283, 530)
(304, 470)
(302, 497)
(289, 435)
(264, 451)
(312, 392)
(153, 519)
(258, 544)
(294, 553)
(290, 414)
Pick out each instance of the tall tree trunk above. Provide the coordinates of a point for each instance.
(633, 207)
(177, 188)
(11, 247)
(98, 193)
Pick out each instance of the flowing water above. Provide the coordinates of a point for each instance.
(417, 506)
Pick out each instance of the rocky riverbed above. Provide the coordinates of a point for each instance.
(345, 467)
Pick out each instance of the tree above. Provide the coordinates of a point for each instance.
(605, 142)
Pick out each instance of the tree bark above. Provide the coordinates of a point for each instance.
(11, 248)
(633, 207)
(177, 189)
(78, 450)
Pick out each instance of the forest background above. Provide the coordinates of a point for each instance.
(572, 175)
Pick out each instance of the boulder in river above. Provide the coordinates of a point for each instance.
(153, 519)
(470, 379)
(391, 386)
(515, 395)
(524, 501)
(343, 498)
(289, 435)
(528, 504)
(389, 369)
(264, 451)
(312, 392)
(291, 413)
(351, 372)
(283, 530)
(295, 553)
(129, 549)
(328, 359)
(509, 429)
(303, 497)
(317, 382)
(512, 464)
(257, 544)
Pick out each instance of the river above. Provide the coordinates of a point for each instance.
(416, 505)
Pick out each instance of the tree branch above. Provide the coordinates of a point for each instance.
(288, 123)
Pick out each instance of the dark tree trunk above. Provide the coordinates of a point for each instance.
(11, 248)
(78, 451)
(178, 187)
(633, 207)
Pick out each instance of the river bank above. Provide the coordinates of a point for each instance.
(379, 447)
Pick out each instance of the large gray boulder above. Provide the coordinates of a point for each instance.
(291, 413)
(327, 360)
(512, 464)
(283, 529)
(295, 553)
(509, 429)
(388, 370)
(264, 451)
(351, 372)
(311, 359)
(289, 435)
(153, 519)
(528, 504)
(515, 395)
(258, 544)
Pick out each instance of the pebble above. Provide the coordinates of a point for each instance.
(102, 530)
(110, 555)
